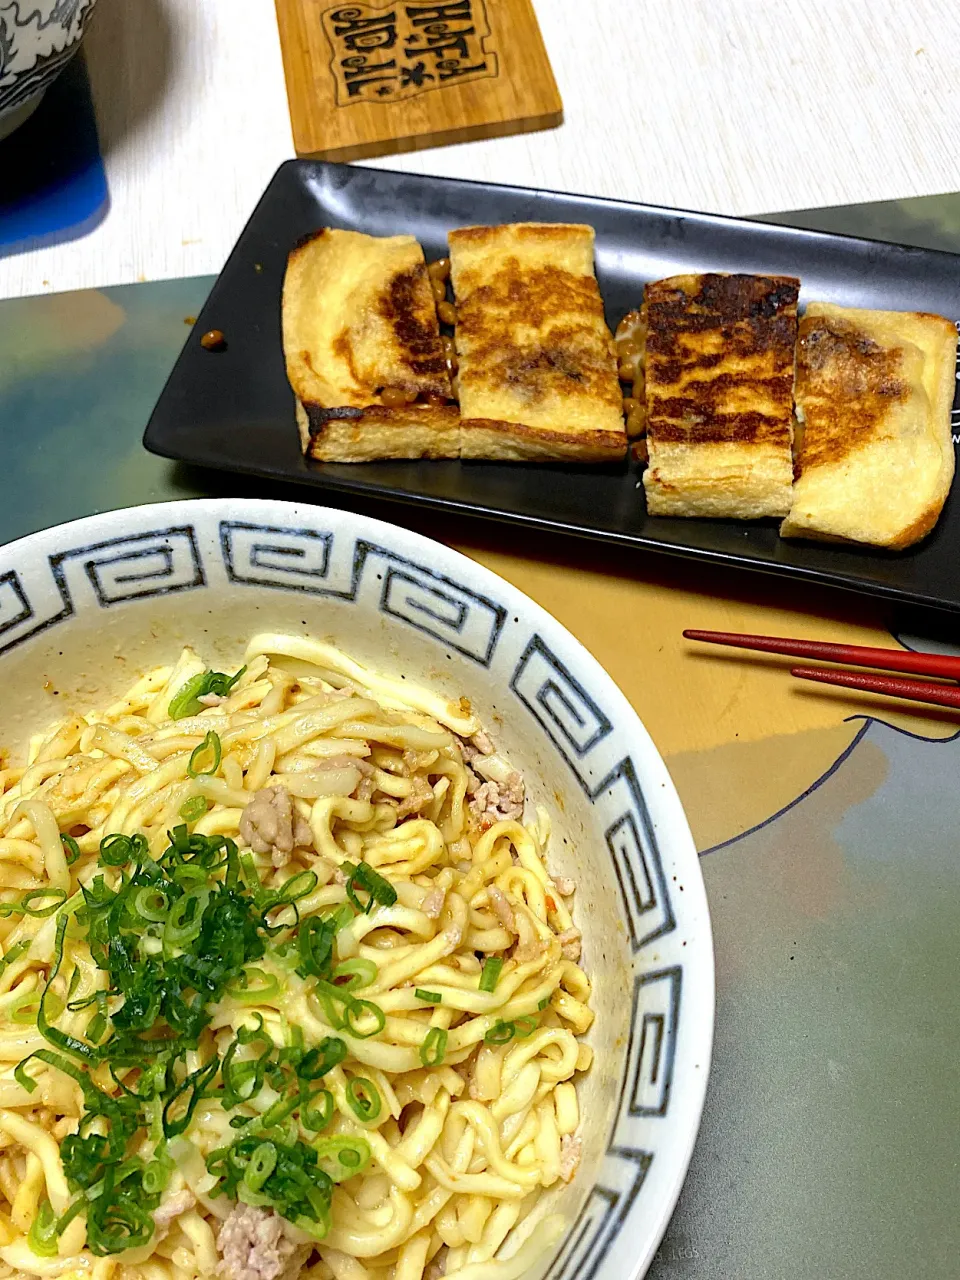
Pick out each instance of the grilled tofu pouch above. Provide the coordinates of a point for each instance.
(719, 363)
(874, 392)
(363, 352)
(537, 368)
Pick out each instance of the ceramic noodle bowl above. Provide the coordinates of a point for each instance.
(86, 607)
(37, 39)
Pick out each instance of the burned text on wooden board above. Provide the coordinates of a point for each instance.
(391, 53)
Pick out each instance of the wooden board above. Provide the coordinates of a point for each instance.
(370, 79)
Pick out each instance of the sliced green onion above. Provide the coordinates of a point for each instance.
(297, 1189)
(333, 1001)
(350, 871)
(285, 954)
(543, 1003)
(186, 701)
(357, 1009)
(193, 809)
(341, 916)
(330, 1052)
(21, 1077)
(274, 921)
(185, 920)
(262, 1164)
(251, 875)
(127, 1225)
(210, 746)
(25, 1008)
(315, 1230)
(156, 1175)
(14, 954)
(364, 1099)
(193, 1087)
(74, 1005)
(222, 684)
(118, 850)
(150, 903)
(70, 1213)
(490, 975)
(219, 1160)
(347, 1155)
(431, 997)
(242, 1081)
(241, 990)
(70, 848)
(315, 944)
(316, 1111)
(297, 886)
(279, 1111)
(97, 1026)
(500, 1033)
(363, 876)
(174, 936)
(247, 1034)
(191, 875)
(358, 973)
(525, 1026)
(69, 1044)
(434, 1047)
(24, 906)
(42, 1237)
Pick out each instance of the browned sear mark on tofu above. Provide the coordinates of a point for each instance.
(558, 358)
(845, 383)
(699, 422)
(418, 339)
(343, 350)
(533, 370)
(720, 361)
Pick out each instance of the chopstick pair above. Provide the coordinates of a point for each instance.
(926, 664)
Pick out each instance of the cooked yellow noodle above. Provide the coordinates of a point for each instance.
(461, 1150)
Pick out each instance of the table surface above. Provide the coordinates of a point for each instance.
(737, 107)
(826, 821)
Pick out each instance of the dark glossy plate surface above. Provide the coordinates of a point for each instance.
(234, 411)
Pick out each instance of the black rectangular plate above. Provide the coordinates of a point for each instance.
(234, 410)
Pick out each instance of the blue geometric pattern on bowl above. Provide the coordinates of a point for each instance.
(327, 563)
(299, 560)
(37, 39)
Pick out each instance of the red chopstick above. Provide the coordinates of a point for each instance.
(927, 664)
(924, 664)
(937, 695)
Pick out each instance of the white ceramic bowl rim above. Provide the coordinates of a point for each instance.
(39, 37)
(149, 552)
